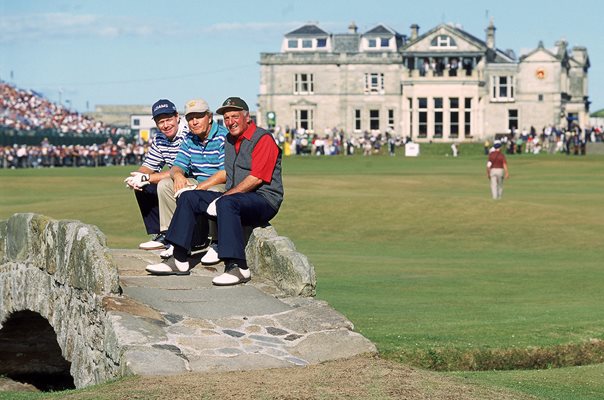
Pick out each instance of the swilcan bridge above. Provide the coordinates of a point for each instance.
(74, 311)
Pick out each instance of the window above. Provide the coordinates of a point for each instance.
(468, 66)
(540, 97)
(438, 117)
(443, 41)
(467, 121)
(410, 115)
(374, 120)
(357, 120)
(453, 66)
(423, 117)
(304, 84)
(512, 120)
(304, 119)
(374, 43)
(136, 122)
(374, 83)
(454, 117)
(502, 88)
(391, 119)
(307, 44)
(437, 66)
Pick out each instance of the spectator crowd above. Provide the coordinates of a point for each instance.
(26, 110)
(48, 155)
(550, 140)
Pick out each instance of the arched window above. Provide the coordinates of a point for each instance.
(443, 41)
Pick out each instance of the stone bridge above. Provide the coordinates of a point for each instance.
(73, 310)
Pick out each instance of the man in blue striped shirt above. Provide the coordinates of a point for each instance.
(200, 157)
(162, 152)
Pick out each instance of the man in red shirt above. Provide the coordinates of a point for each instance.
(497, 170)
(254, 193)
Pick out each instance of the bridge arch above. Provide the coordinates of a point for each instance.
(30, 353)
(60, 272)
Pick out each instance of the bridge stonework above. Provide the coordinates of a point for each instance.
(62, 271)
(112, 319)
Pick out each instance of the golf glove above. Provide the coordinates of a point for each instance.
(137, 180)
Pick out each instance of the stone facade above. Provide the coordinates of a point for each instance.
(444, 85)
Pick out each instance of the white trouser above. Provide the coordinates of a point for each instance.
(496, 183)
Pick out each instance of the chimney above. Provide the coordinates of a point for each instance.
(580, 54)
(561, 45)
(491, 35)
(352, 28)
(414, 31)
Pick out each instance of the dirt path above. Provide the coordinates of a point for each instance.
(357, 378)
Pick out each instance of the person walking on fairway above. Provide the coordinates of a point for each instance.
(497, 170)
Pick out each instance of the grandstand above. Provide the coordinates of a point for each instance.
(26, 117)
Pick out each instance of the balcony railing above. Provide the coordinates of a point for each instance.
(455, 74)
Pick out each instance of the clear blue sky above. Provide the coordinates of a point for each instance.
(90, 52)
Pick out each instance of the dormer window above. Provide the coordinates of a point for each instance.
(443, 41)
(375, 43)
(307, 44)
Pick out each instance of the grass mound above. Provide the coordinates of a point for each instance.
(567, 355)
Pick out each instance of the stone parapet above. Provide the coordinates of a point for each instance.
(112, 319)
(60, 270)
(275, 258)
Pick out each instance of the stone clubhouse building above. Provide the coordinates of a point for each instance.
(443, 85)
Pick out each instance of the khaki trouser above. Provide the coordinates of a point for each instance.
(496, 183)
(167, 203)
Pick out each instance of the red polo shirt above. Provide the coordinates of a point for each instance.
(264, 155)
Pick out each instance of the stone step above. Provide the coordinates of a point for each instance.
(173, 324)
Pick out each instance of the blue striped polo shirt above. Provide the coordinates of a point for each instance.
(201, 159)
(163, 151)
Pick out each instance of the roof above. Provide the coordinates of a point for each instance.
(346, 43)
(493, 55)
(380, 30)
(307, 30)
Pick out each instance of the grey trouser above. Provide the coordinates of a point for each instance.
(167, 203)
(496, 184)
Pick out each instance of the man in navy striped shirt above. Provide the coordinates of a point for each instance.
(200, 157)
(162, 152)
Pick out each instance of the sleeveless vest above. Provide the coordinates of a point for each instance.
(238, 167)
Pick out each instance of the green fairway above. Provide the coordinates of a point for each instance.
(413, 250)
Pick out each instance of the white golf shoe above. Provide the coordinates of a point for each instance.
(211, 256)
(157, 243)
(233, 275)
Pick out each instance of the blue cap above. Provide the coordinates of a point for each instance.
(163, 106)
